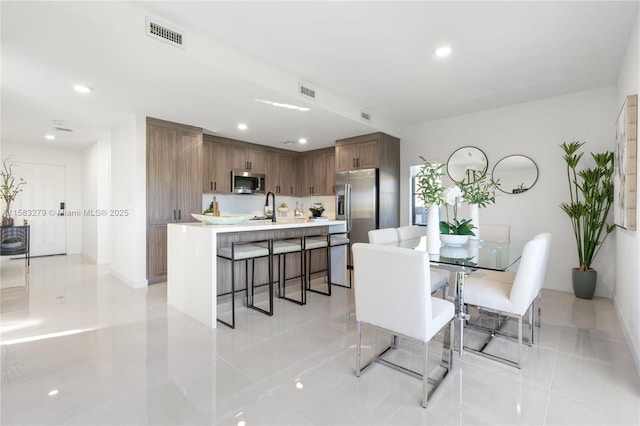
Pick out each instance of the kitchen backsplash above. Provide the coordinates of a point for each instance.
(254, 204)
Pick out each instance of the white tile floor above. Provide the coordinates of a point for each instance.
(130, 359)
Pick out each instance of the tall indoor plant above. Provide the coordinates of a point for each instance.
(9, 190)
(431, 192)
(591, 197)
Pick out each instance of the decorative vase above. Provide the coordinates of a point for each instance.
(433, 229)
(475, 221)
(7, 220)
(454, 240)
(584, 283)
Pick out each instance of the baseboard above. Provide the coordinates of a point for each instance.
(628, 337)
(127, 281)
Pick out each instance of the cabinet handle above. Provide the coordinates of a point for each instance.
(179, 214)
(215, 186)
(291, 190)
(358, 162)
(250, 165)
(354, 162)
(174, 215)
(211, 186)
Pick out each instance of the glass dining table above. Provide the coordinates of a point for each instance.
(475, 254)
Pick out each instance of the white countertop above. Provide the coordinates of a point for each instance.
(257, 225)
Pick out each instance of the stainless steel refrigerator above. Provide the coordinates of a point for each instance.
(367, 200)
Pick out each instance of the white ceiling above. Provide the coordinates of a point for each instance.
(359, 56)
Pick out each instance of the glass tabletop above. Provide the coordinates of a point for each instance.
(476, 254)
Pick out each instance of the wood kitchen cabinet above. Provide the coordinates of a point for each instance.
(317, 172)
(216, 176)
(282, 173)
(364, 152)
(248, 159)
(174, 185)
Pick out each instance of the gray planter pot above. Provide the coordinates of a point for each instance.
(584, 283)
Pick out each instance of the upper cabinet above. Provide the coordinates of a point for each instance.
(317, 172)
(375, 150)
(361, 152)
(248, 159)
(215, 165)
(282, 173)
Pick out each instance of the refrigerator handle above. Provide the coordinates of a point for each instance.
(347, 202)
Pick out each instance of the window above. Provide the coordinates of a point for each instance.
(418, 211)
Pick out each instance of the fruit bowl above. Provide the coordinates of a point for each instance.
(316, 211)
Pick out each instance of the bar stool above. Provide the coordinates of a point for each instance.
(245, 251)
(315, 242)
(280, 248)
(326, 242)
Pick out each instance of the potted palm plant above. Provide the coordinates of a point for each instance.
(9, 190)
(591, 197)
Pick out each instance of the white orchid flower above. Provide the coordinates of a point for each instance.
(452, 195)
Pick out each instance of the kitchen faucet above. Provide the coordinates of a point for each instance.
(266, 203)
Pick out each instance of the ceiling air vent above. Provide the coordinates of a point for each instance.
(289, 142)
(306, 91)
(161, 32)
(62, 129)
(365, 116)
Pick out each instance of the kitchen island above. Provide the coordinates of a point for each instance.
(195, 278)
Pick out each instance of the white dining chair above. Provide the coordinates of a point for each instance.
(392, 292)
(511, 294)
(383, 236)
(411, 231)
(501, 233)
(439, 277)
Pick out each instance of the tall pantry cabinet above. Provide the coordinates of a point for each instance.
(174, 186)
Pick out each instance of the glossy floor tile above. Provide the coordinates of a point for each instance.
(78, 347)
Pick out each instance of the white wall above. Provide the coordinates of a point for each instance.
(534, 129)
(96, 196)
(627, 289)
(72, 161)
(128, 193)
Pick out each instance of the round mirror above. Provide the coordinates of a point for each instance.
(467, 164)
(515, 174)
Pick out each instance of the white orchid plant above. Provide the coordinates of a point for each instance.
(454, 196)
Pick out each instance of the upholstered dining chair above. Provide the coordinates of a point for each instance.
(392, 292)
(439, 277)
(410, 231)
(500, 233)
(383, 236)
(511, 294)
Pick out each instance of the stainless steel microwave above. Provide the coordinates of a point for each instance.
(247, 182)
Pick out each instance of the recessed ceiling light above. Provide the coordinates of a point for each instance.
(50, 137)
(242, 126)
(302, 140)
(281, 105)
(443, 51)
(82, 88)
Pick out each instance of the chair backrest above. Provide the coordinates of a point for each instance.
(410, 232)
(392, 288)
(531, 272)
(547, 237)
(383, 236)
(500, 233)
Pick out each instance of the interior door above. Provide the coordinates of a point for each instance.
(39, 204)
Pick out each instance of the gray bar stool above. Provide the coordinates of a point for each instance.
(326, 242)
(280, 248)
(245, 251)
